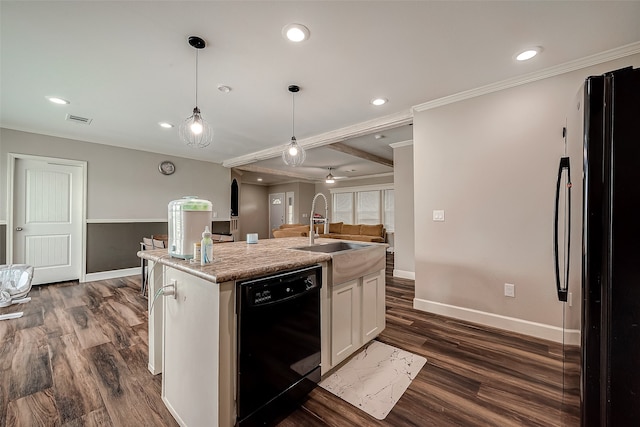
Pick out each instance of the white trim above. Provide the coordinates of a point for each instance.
(567, 67)
(3, 222)
(373, 187)
(11, 160)
(359, 129)
(538, 330)
(402, 274)
(125, 220)
(352, 178)
(401, 144)
(111, 274)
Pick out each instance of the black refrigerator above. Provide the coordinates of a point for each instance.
(610, 376)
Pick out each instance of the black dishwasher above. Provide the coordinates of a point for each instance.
(278, 343)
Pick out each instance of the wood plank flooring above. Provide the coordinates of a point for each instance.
(78, 357)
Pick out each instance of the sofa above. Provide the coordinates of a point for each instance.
(360, 232)
(291, 230)
(337, 230)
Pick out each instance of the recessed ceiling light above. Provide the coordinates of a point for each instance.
(224, 88)
(528, 54)
(165, 125)
(379, 101)
(57, 100)
(259, 179)
(295, 32)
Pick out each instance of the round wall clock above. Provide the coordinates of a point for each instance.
(167, 167)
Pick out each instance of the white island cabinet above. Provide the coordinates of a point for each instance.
(192, 333)
(357, 314)
(199, 355)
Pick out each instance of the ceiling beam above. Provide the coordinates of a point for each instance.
(263, 170)
(364, 128)
(356, 152)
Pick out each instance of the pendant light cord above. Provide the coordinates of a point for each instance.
(197, 77)
(293, 114)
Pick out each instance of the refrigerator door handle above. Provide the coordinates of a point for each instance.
(562, 290)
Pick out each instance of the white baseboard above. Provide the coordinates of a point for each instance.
(512, 324)
(404, 274)
(112, 274)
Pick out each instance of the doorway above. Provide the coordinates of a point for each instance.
(276, 211)
(47, 217)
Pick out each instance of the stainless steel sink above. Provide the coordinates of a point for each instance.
(332, 247)
(350, 260)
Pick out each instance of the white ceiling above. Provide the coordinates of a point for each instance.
(127, 65)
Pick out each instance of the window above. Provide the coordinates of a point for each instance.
(368, 211)
(372, 204)
(290, 197)
(389, 219)
(342, 208)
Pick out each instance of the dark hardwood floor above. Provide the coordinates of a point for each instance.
(78, 357)
(474, 375)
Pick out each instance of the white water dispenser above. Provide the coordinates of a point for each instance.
(187, 219)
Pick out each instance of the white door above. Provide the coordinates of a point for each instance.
(47, 219)
(276, 210)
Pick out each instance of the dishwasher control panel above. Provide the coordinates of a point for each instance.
(280, 287)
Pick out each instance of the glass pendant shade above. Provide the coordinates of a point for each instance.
(195, 131)
(294, 154)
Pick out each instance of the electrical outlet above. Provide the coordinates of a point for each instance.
(570, 299)
(509, 290)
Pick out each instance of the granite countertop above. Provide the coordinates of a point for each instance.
(240, 260)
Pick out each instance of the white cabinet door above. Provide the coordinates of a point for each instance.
(345, 320)
(191, 349)
(373, 305)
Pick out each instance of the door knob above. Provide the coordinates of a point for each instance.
(18, 228)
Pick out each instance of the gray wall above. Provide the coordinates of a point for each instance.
(403, 210)
(304, 200)
(491, 162)
(123, 186)
(254, 211)
(123, 183)
(114, 246)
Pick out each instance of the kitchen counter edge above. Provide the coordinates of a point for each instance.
(239, 260)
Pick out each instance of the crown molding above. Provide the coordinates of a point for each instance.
(599, 58)
(364, 128)
(401, 144)
(353, 178)
(268, 171)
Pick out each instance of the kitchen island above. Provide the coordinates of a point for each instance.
(192, 328)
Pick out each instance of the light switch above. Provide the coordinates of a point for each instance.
(438, 215)
(509, 290)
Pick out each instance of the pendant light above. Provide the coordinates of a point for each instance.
(329, 179)
(293, 154)
(194, 130)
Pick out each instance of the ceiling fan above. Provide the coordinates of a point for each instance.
(330, 178)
